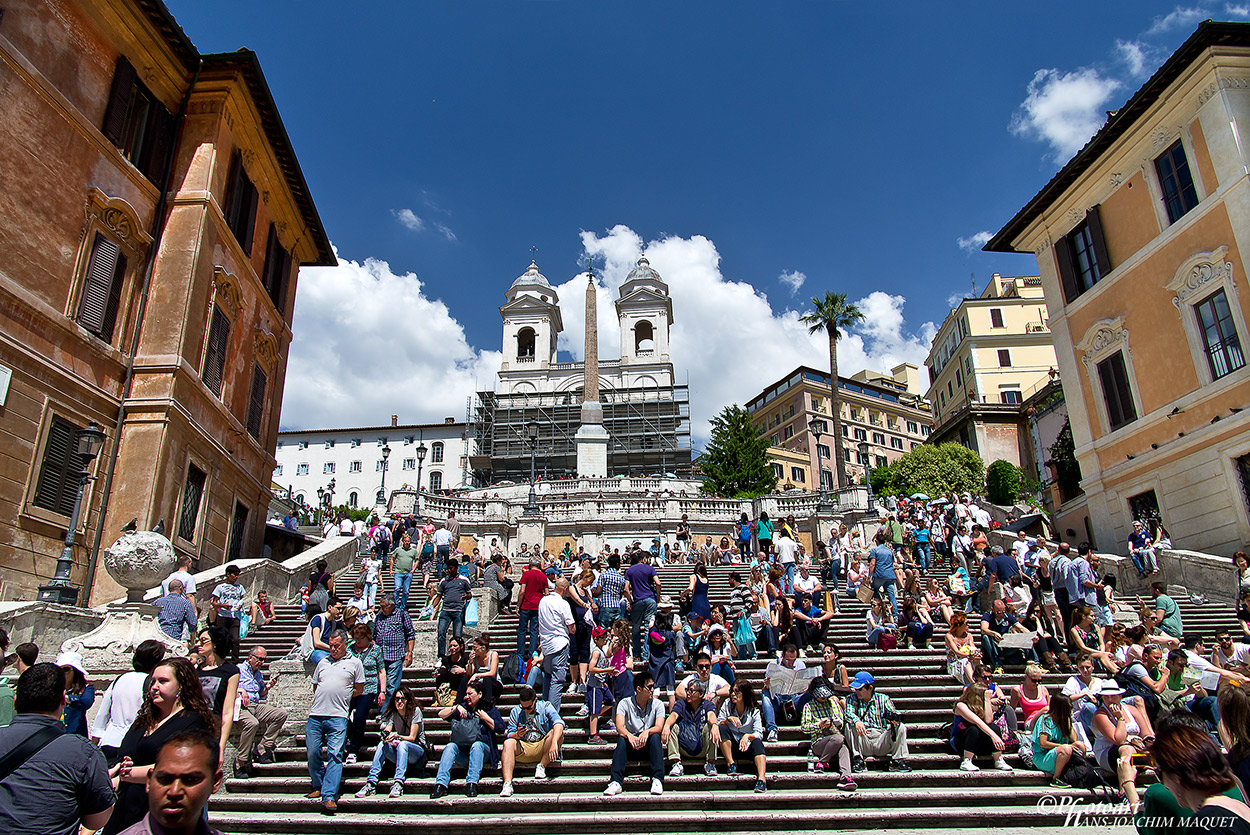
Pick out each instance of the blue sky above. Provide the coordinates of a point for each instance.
(760, 153)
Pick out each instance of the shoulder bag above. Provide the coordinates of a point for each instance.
(30, 746)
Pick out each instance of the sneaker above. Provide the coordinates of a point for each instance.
(847, 784)
(596, 740)
(351, 760)
(540, 773)
(709, 770)
(998, 671)
(969, 765)
(1002, 765)
(1058, 784)
(760, 787)
(613, 789)
(397, 790)
(367, 790)
(242, 772)
(732, 771)
(265, 758)
(506, 791)
(678, 770)
(858, 765)
(772, 736)
(657, 786)
(582, 711)
(899, 766)
(820, 767)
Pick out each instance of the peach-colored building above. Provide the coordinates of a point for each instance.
(154, 215)
(1138, 242)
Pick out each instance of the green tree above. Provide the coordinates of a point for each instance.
(834, 314)
(1002, 482)
(882, 479)
(938, 470)
(735, 462)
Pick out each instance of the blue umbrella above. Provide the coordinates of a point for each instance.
(921, 496)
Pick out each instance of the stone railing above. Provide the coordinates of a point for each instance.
(47, 624)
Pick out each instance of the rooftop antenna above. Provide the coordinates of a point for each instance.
(973, 278)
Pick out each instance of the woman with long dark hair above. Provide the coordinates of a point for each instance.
(403, 742)
(1056, 738)
(742, 730)
(696, 592)
(219, 678)
(174, 704)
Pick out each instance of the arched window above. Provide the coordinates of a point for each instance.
(299, 499)
(644, 337)
(352, 499)
(436, 452)
(436, 480)
(525, 343)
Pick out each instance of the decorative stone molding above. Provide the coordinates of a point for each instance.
(138, 561)
(266, 349)
(1235, 82)
(1102, 337)
(1117, 179)
(1163, 136)
(119, 218)
(226, 291)
(1043, 246)
(1198, 272)
(1075, 216)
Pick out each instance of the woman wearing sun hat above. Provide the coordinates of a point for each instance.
(79, 695)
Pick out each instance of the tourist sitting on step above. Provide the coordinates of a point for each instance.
(974, 732)
(995, 625)
(402, 742)
(1085, 638)
(1030, 697)
(474, 723)
(824, 719)
(716, 687)
(262, 613)
(879, 728)
(807, 581)
(915, 625)
(694, 632)
(690, 730)
(359, 602)
(721, 649)
(639, 726)
(810, 624)
(741, 731)
(482, 666)
(450, 673)
(1058, 736)
(880, 631)
(788, 707)
(534, 735)
(1121, 730)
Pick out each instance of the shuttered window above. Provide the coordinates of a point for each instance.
(192, 493)
(1175, 181)
(102, 288)
(240, 205)
(256, 405)
(215, 355)
(1082, 257)
(138, 124)
(1116, 392)
(238, 526)
(277, 270)
(57, 484)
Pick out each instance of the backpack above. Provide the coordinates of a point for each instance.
(744, 531)
(511, 672)
(1082, 773)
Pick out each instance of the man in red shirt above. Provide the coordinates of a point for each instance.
(533, 587)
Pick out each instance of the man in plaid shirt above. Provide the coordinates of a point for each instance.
(612, 591)
(393, 631)
(879, 729)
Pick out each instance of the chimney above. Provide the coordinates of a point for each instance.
(449, 420)
(394, 420)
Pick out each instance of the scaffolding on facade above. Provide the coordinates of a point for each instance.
(648, 430)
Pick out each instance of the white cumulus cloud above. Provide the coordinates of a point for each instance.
(354, 363)
(973, 243)
(1133, 54)
(1237, 10)
(1180, 17)
(793, 279)
(1064, 109)
(409, 219)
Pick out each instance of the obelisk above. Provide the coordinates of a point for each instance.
(592, 438)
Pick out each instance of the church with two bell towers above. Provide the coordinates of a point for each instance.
(595, 418)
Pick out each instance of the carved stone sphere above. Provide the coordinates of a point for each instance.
(138, 561)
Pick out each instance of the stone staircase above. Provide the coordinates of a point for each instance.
(934, 795)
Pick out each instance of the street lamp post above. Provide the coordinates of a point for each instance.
(386, 453)
(863, 453)
(531, 435)
(321, 503)
(421, 450)
(59, 589)
(823, 504)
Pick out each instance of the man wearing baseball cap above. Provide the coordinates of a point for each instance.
(879, 729)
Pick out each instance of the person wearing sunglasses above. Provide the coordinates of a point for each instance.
(639, 726)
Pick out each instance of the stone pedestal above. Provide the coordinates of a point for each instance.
(531, 531)
(290, 688)
(592, 450)
(109, 646)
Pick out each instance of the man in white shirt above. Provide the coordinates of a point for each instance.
(188, 582)
(442, 543)
(1229, 655)
(980, 515)
(555, 625)
(806, 582)
(787, 551)
(1020, 548)
(716, 687)
(346, 528)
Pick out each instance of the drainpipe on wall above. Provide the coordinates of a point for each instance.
(159, 222)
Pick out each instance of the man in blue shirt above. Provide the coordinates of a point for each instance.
(535, 733)
(175, 613)
(645, 586)
(1141, 549)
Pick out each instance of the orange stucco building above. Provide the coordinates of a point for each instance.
(152, 218)
(1138, 242)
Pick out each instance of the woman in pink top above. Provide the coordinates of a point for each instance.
(1031, 698)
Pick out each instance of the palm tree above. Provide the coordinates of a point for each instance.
(834, 315)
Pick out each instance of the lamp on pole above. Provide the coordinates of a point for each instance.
(321, 502)
(863, 453)
(59, 589)
(386, 453)
(421, 451)
(822, 497)
(531, 435)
